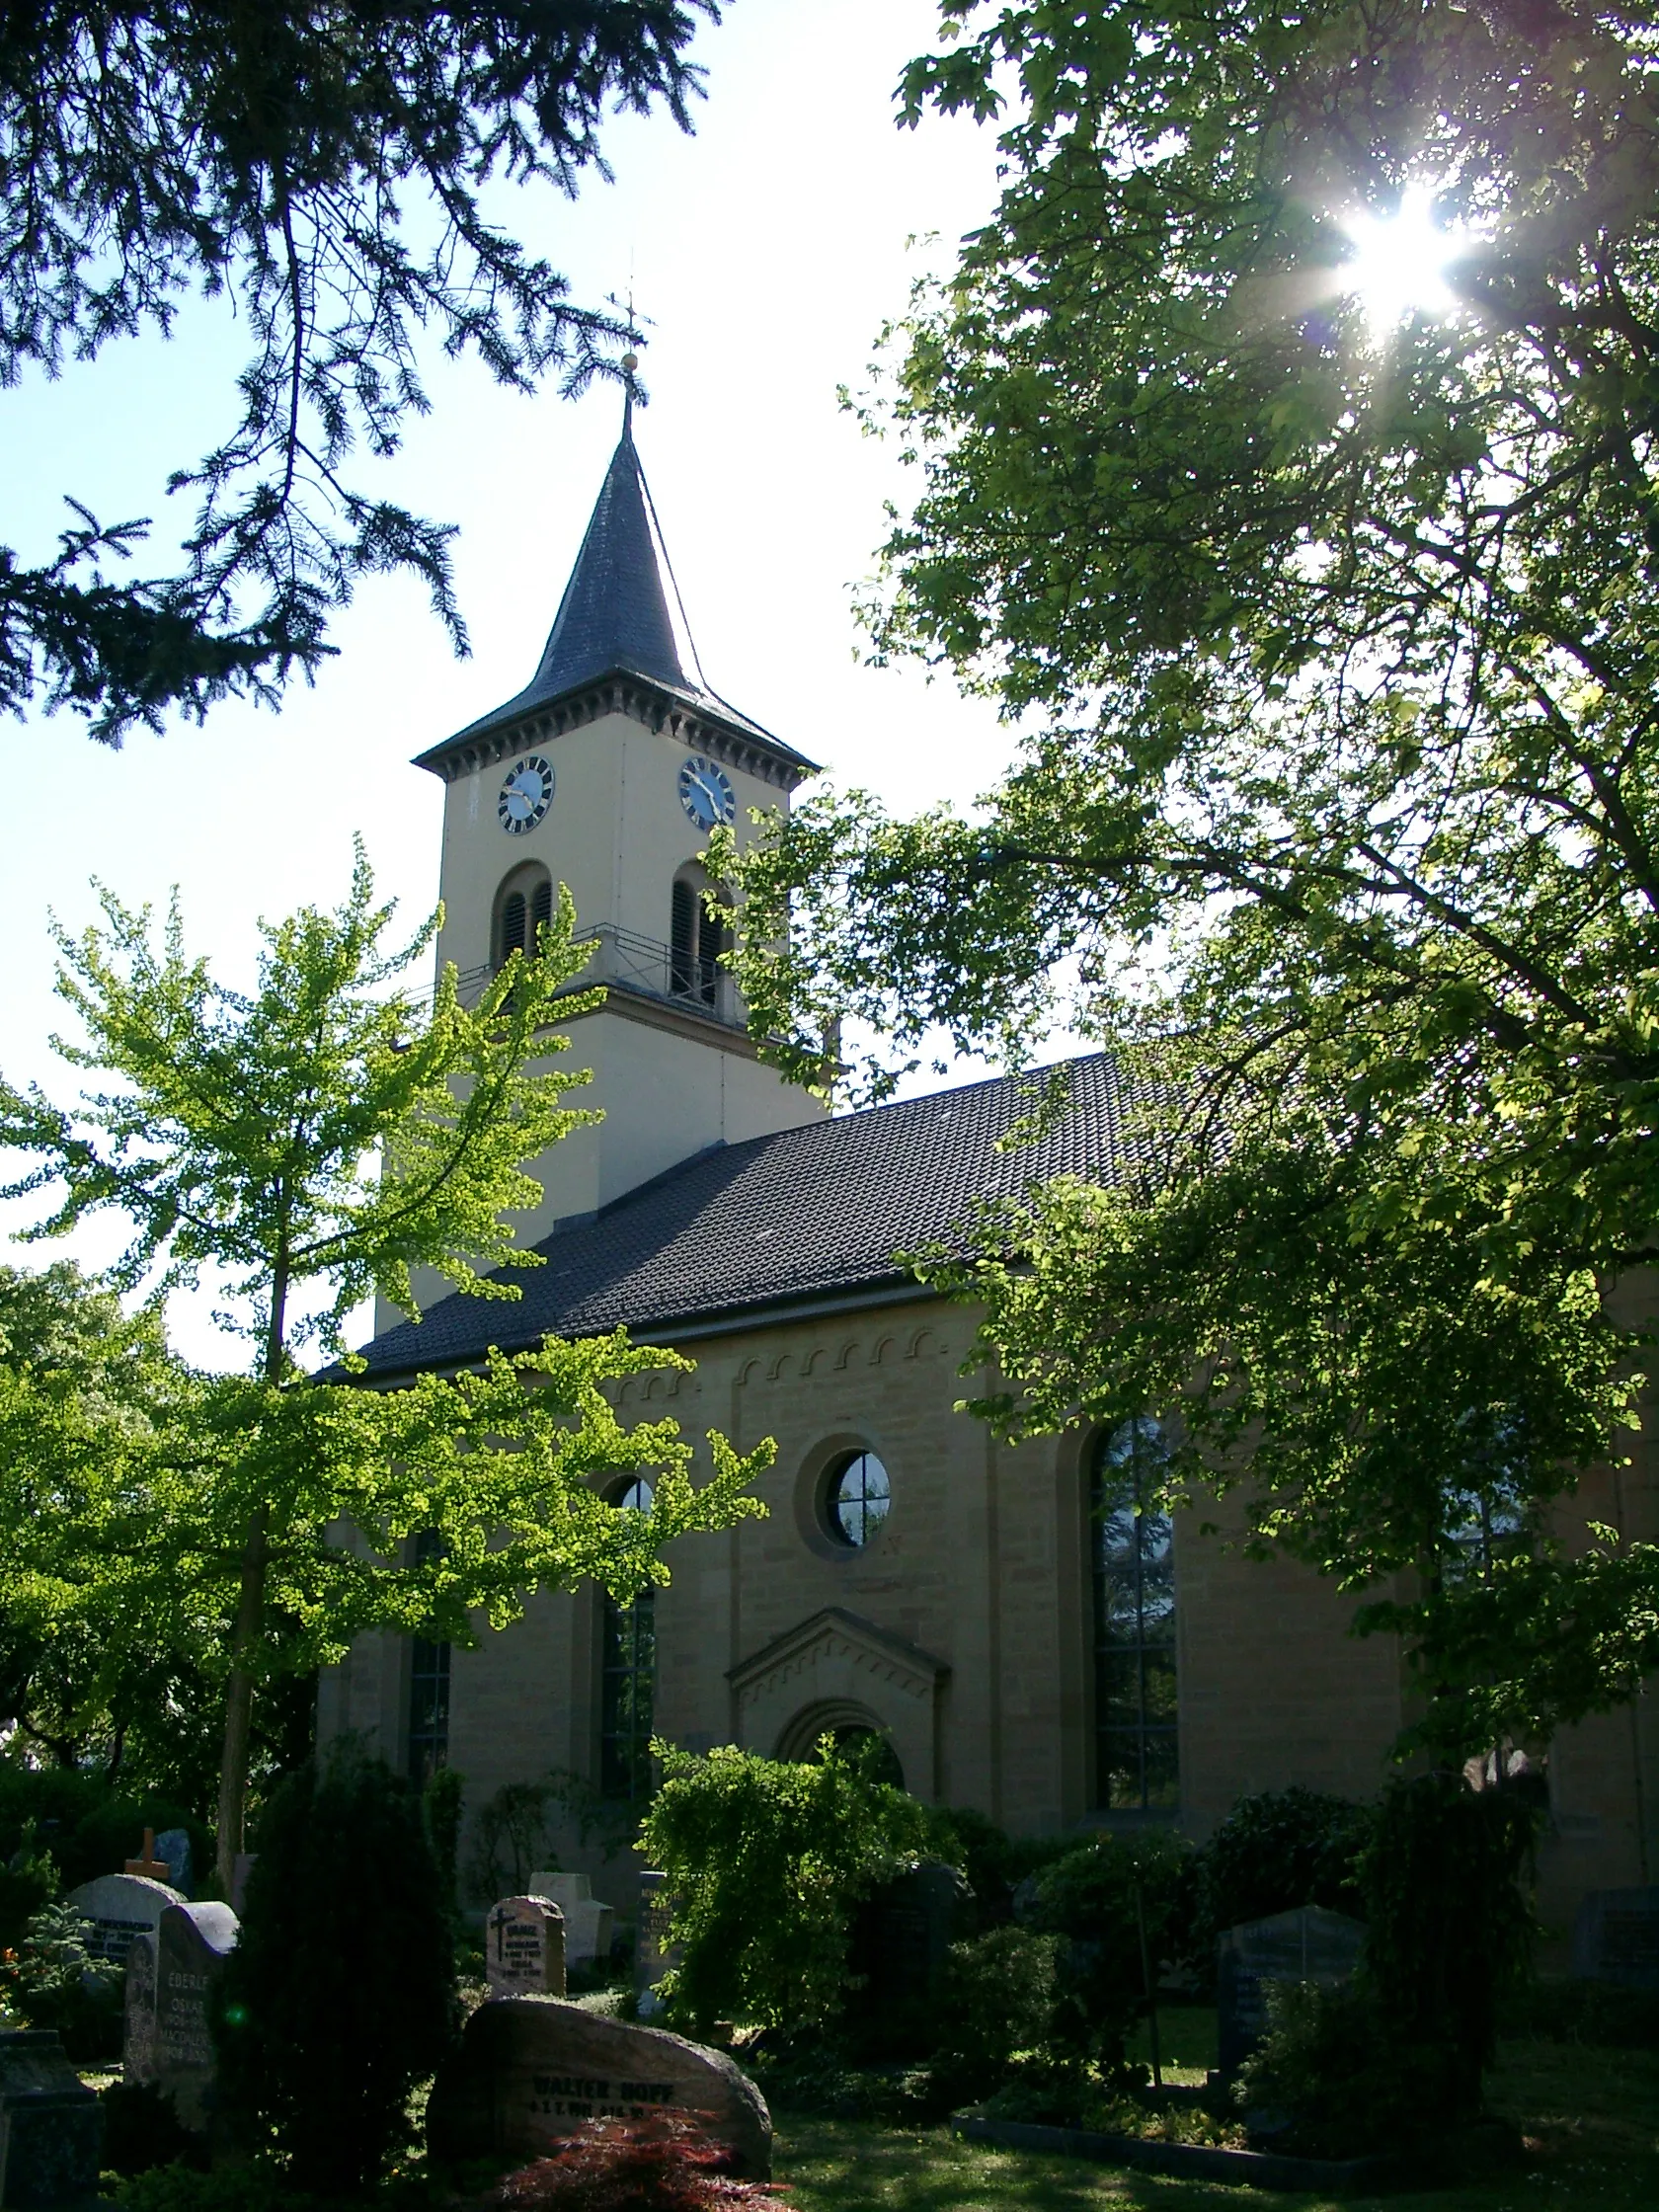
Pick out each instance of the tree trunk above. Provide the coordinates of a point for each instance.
(239, 1701)
(250, 1618)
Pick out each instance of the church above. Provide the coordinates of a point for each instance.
(1021, 1639)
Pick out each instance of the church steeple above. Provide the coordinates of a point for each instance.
(614, 615)
(613, 622)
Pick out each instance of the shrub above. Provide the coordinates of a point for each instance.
(1449, 1932)
(1274, 1852)
(993, 1861)
(52, 1982)
(765, 1861)
(27, 1882)
(998, 2000)
(87, 1823)
(659, 2165)
(1331, 2078)
(142, 2130)
(1099, 1897)
(340, 1993)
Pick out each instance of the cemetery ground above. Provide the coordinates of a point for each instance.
(1589, 2118)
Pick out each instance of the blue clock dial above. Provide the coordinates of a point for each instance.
(705, 792)
(525, 795)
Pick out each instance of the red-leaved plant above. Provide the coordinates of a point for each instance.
(659, 2165)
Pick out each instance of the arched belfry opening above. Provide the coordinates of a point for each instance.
(697, 937)
(523, 908)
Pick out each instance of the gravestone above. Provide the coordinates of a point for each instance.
(1307, 1946)
(531, 2070)
(172, 1849)
(524, 1948)
(901, 1937)
(652, 1954)
(51, 2125)
(121, 1907)
(588, 1921)
(138, 2014)
(191, 1947)
(1615, 1938)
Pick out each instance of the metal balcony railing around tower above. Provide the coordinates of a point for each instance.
(623, 960)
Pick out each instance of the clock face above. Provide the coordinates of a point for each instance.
(705, 792)
(525, 795)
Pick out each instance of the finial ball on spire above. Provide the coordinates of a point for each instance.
(630, 362)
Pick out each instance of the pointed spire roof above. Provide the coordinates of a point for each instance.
(614, 621)
(615, 614)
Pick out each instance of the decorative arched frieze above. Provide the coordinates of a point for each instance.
(837, 1659)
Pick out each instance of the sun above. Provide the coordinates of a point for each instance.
(1398, 262)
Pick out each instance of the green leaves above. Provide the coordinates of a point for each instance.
(326, 1129)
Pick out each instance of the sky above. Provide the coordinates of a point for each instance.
(766, 250)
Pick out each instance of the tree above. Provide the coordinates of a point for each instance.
(321, 1138)
(78, 1382)
(1333, 651)
(148, 152)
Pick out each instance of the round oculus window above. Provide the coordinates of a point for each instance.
(859, 1495)
(525, 795)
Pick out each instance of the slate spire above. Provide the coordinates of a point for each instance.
(615, 614)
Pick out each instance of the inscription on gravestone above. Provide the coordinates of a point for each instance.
(524, 1948)
(138, 2014)
(530, 2069)
(191, 1947)
(1309, 1945)
(1615, 1938)
(652, 1957)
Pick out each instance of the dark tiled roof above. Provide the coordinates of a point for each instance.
(808, 1212)
(613, 620)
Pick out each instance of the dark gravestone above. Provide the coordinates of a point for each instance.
(1616, 1939)
(51, 2128)
(1309, 1945)
(172, 1849)
(191, 1947)
(901, 1937)
(531, 2068)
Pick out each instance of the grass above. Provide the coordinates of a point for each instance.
(1590, 2117)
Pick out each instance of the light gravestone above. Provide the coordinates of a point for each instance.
(651, 1953)
(191, 1947)
(588, 1921)
(1616, 1939)
(1309, 1946)
(531, 2070)
(524, 1948)
(121, 1907)
(51, 2125)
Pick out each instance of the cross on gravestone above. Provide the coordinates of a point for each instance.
(525, 1948)
(1307, 1946)
(147, 1864)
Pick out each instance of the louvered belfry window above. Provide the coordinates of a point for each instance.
(523, 914)
(683, 941)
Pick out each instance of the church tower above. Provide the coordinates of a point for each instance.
(607, 773)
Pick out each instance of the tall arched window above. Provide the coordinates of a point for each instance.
(523, 908)
(627, 1677)
(429, 1688)
(696, 940)
(1133, 1548)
